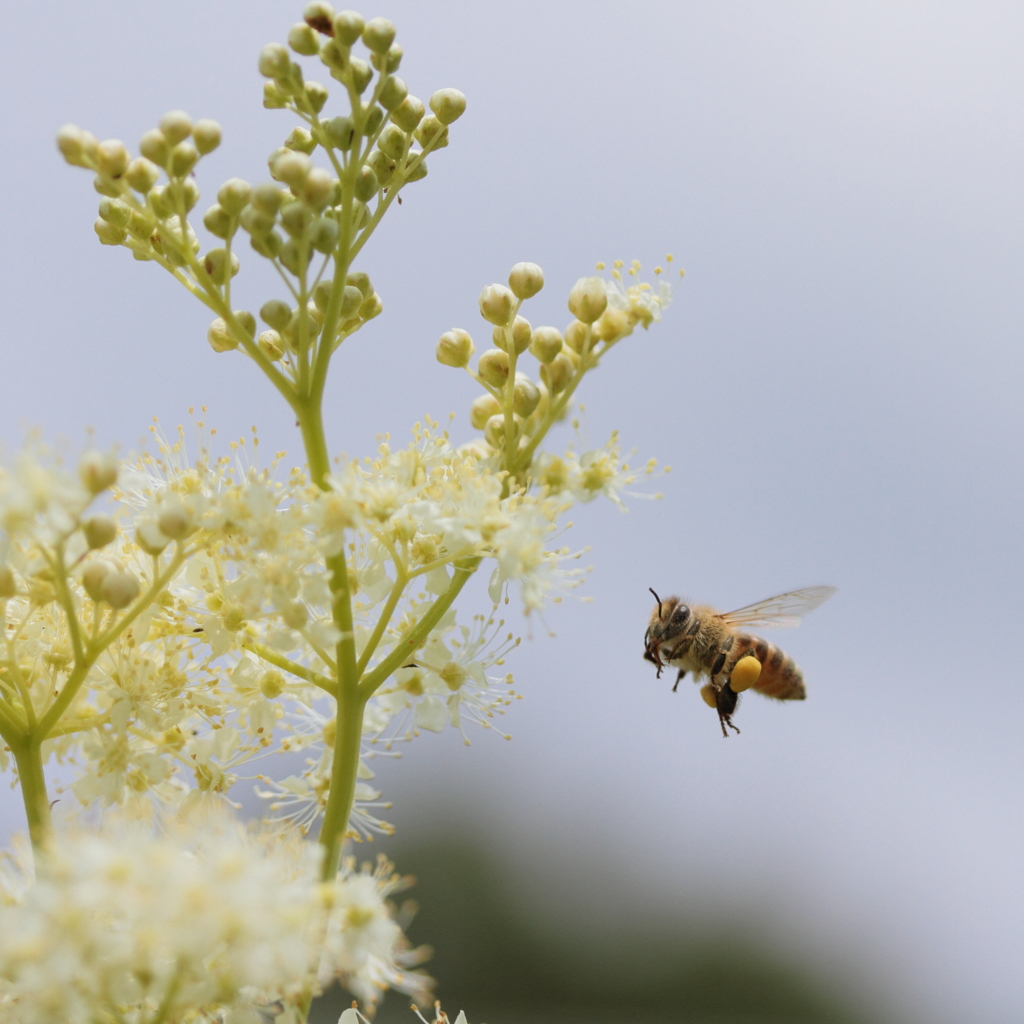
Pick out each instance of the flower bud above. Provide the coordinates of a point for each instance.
(276, 314)
(317, 187)
(108, 186)
(492, 367)
(557, 374)
(496, 304)
(233, 195)
(521, 335)
(273, 97)
(378, 35)
(448, 105)
(745, 673)
(300, 140)
(109, 234)
(588, 299)
(290, 167)
(494, 430)
(336, 56)
(290, 257)
(361, 74)
(142, 174)
(296, 219)
(77, 146)
(274, 61)
(8, 584)
(525, 280)
(418, 172)
(219, 337)
(351, 300)
(119, 589)
(371, 307)
(256, 223)
(189, 196)
(295, 615)
(271, 345)
(271, 684)
(391, 61)
(318, 15)
(348, 27)
(316, 95)
(112, 158)
(366, 184)
(150, 537)
(97, 471)
(546, 343)
(361, 280)
(99, 530)
(217, 221)
(206, 135)
(220, 268)
(383, 166)
(155, 147)
(612, 324)
(393, 93)
(183, 158)
(482, 409)
(176, 126)
(302, 39)
(408, 114)
(246, 321)
(392, 142)
(576, 336)
(340, 131)
(93, 576)
(455, 348)
(324, 236)
(267, 198)
(525, 396)
(431, 133)
(174, 519)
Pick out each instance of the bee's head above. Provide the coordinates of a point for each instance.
(669, 619)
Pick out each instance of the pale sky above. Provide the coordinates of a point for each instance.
(837, 388)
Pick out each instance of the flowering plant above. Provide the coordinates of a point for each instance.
(170, 619)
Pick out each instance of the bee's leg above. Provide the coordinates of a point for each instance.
(679, 679)
(726, 700)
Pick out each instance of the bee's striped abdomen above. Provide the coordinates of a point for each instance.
(780, 678)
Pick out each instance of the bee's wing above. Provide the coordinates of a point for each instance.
(782, 610)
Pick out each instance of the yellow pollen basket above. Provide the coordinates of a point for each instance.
(746, 672)
(707, 691)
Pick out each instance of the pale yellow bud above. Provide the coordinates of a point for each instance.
(525, 395)
(448, 105)
(303, 39)
(97, 471)
(274, 61)
(393, 93)
(525, 280)
(112, 158)
(408, 114)
(496, 304)
(271, 345)
(77, 146)
(492, 367)
(220, 268)
(93, 576)
(612, 324)
(588, 299)
(494, 431)
(290, 167)
(142, 174)
(557, 374)
(378, 35)
(109, 234)
(522, 334)
(99, 530)
(348, 27)
(219, 337)
(295, 615)
(206, 135)
(455, 348)
(119, 589)
(150, 537)
(174, 519)
(317, 187)
(183, 158)
(482, 409)
(371, 307)
(576, 336)
(546, 344)
(176, 126)
(234, 194)
(155, 147)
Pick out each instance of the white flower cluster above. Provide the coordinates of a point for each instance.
(124, 925)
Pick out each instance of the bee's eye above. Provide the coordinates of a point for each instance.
(680, 615)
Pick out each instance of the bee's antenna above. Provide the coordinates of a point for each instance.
(656, 598)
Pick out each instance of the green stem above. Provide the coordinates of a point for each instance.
(29, 760)
(291, 667)
(344, 771)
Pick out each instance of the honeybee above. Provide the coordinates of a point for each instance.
(697, 639)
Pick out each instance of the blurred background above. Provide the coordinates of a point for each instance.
(837, 388)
